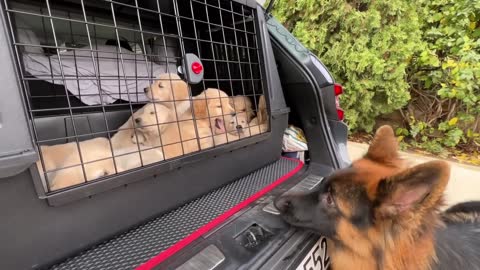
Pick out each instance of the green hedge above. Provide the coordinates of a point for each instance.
(367, 46)
(418, 56)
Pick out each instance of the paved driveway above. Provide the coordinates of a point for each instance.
(464, 182)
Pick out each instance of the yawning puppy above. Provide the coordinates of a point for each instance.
(212, 109)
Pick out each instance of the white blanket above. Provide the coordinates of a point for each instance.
(118, 79)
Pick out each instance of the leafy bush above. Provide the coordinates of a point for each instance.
(444, 78)
(422, 57)
(367, 45)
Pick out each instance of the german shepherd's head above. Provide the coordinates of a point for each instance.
(378, 213)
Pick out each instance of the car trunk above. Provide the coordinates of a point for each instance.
(212, 208)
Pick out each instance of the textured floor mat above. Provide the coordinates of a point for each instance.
(137, 246)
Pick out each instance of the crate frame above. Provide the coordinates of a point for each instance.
(99, 185)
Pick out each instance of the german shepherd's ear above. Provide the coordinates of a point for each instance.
(416, 189)
(384, 147)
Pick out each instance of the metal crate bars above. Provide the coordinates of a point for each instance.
(86, 68)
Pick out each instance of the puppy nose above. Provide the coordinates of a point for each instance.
(239, 127)
(145, 89)
(138, 120)
(283, 204)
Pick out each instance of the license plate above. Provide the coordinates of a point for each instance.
(317, 258)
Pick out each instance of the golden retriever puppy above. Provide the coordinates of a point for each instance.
(260, 123)
(175, 137)
(135, 156)
(238, 125)
(188, 135)
(133, 145)
(96, 157)
(212, 109)
(168, 87)
(237, 128)
(53, 157)
(243, 104)
(170, 90)
(191, 135)
(139, 142)
(181, 139)
(153, 117)
(98, 162)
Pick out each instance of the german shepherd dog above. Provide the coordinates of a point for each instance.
(380, 214)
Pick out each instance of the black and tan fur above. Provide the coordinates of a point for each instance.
(380, 214)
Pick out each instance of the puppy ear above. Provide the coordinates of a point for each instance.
(200, 107)
(180, 90)
(262, 104)
(384, 147)
(228, 106)
(412, 191)
(262, 110)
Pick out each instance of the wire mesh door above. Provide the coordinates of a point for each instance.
(108, 85)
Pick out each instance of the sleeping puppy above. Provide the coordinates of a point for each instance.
(168, 87)
(172, 91)
(176, 138)
(129, 133)
(180, 138)
(54, 155)
(237, 128)
(157, 126)
(98, 162)
(132, 148)
(96, 156)
(143, 147)
(238, 125)
(243, 104)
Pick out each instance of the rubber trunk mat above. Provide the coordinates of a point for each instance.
(137, 246)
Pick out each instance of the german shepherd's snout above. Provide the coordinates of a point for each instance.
(380, 214)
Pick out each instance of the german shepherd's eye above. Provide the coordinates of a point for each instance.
(327, 198)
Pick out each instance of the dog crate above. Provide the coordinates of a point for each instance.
(83, 66)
